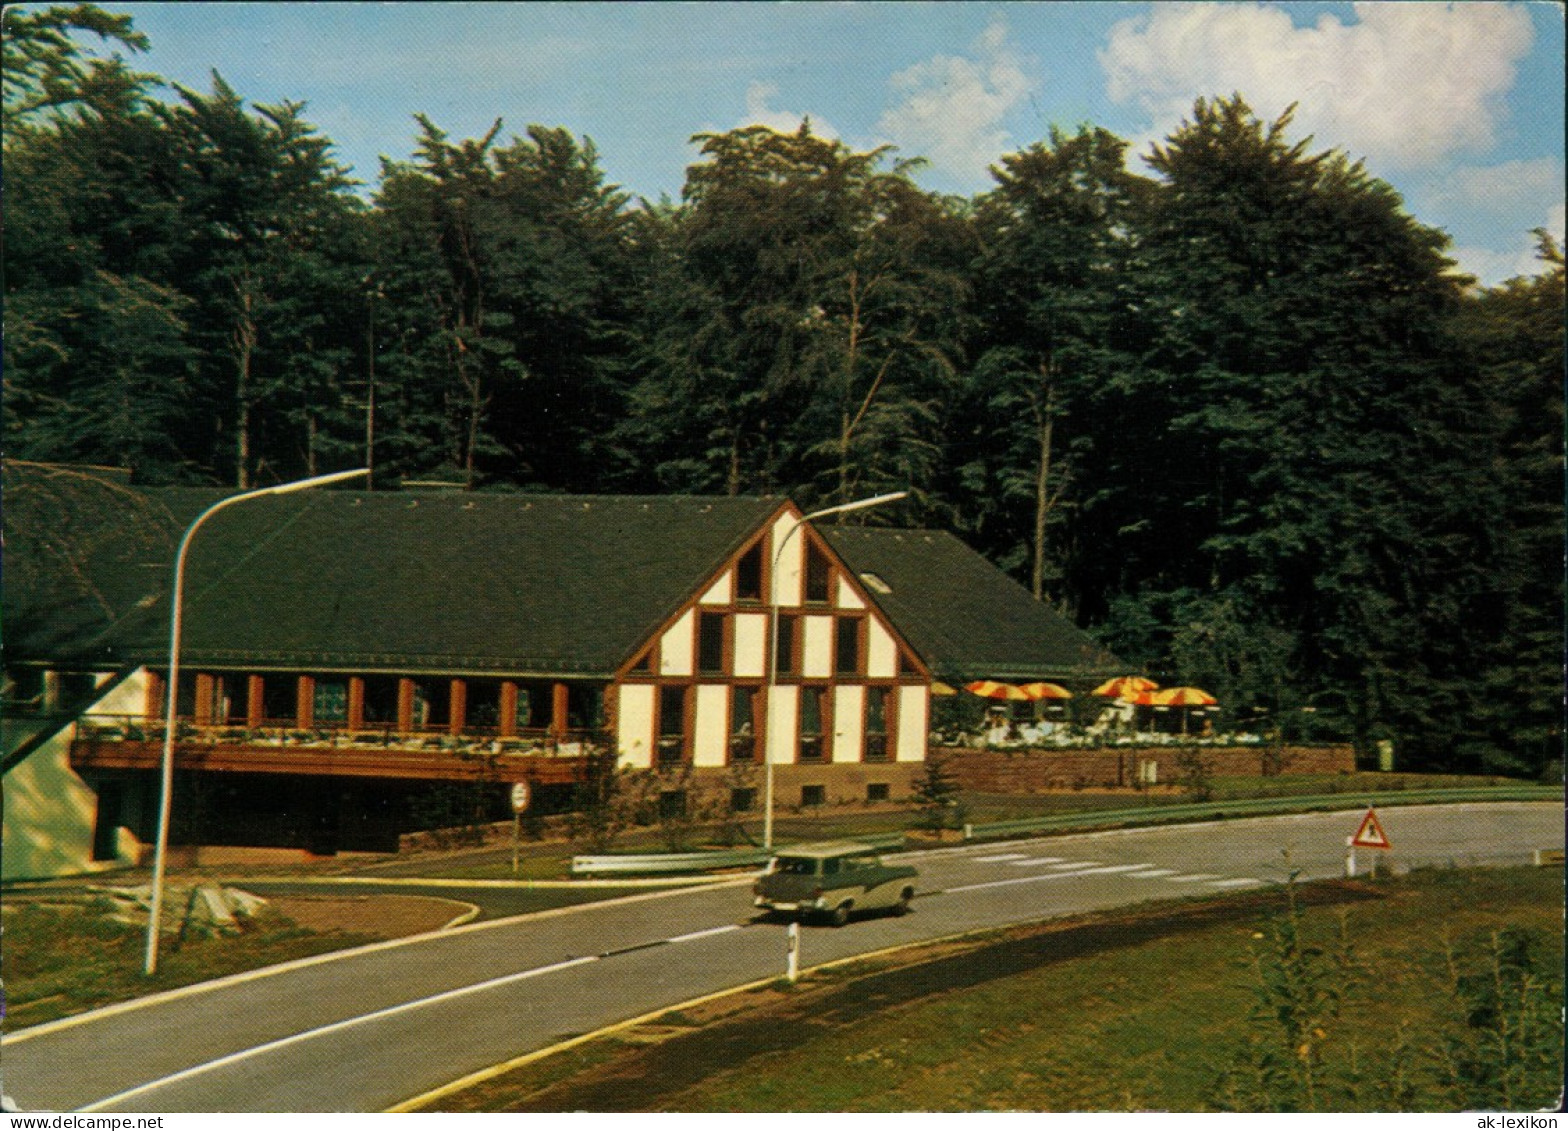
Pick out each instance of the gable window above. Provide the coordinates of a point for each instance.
(876, 724)
(672, 724)
(748, 575)
(710, 643)
(846, 645)
(743, 725)
(818, 575)
(811, 723)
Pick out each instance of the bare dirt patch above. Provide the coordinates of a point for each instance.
(383, 916)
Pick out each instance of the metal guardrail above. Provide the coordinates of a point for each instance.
(668, 863)
(1253, 807)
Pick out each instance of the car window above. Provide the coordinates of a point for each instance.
(830, 866)
(797, 866)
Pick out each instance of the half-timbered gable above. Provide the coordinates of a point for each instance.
(845, 687)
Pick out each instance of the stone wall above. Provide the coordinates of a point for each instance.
(1040, 771)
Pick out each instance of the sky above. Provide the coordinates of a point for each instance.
(1458, 106)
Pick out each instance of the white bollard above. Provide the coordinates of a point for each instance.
(1350, 857)
(792, 951)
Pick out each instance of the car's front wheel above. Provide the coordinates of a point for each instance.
(839, 915)
(905, 897)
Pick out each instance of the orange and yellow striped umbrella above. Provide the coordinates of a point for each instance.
(1045, 691)
(991, 689)
(1125, 687)
(1182, 697)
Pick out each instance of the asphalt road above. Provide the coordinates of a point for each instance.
(364, 1030)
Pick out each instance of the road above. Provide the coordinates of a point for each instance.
(364, 1030)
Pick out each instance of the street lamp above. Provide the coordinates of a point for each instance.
(773, 647)
(165, 800)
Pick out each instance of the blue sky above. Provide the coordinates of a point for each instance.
(1459, 106)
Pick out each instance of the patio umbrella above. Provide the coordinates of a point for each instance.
(991, 689)
(1125, 686)
(1182, 697)
(1045, 691)
(940, 688)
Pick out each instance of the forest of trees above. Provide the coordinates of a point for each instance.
(1240, 417)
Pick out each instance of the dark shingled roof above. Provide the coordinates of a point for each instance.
(965, 617)
(441, 582)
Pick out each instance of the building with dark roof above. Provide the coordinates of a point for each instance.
(348, 656)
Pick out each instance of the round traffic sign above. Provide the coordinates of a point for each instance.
(520, 796)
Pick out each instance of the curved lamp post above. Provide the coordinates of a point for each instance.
(165, 800)
(773, 646)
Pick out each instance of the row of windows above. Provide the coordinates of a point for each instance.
(814, 725)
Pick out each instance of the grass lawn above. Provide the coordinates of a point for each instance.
(1437, 991)
(68, 958)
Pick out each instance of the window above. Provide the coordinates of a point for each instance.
(817, 575)
(878, 791)
(748, 575)
(742, 800)
(672, 724)
(846, 645)
(330, 701)
(743, 727)
(876, 724)
(814, 795)
(710, 643)
(784, 651)
(875, 583)
(672, 804)
(811, 723)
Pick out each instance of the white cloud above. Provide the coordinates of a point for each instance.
(759, 113)
(1492, 211)
(950, 108)
(1406, 85)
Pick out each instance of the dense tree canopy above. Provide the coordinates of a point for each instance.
(1238, 415)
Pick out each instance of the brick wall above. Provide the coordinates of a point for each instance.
(1038, 771)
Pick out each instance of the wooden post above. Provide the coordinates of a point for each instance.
(508, 708)
(457, 707)
(152, 706)
(305, 702)
(356, 702)
(558, 711)
(255, 702)
(201, 709)
(405, 706)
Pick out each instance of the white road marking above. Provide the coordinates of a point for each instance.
(1193, 879)
(1237, 883)
(1004, 856)
(1152, 873)
(335, 1027)
(1108, 868)
(704, 934)
(1036, 862)
(1075, 865)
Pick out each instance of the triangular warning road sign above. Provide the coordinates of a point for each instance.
(1370, 834)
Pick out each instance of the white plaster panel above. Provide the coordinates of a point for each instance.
(849, 722)
(847, 597)
(634, 725)
(675, 650)
(816, 657)
(786, 577)
(783, 719)
(751, 645)
(720, 592)
(912, 705)
(881, 652)
(713, 725)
